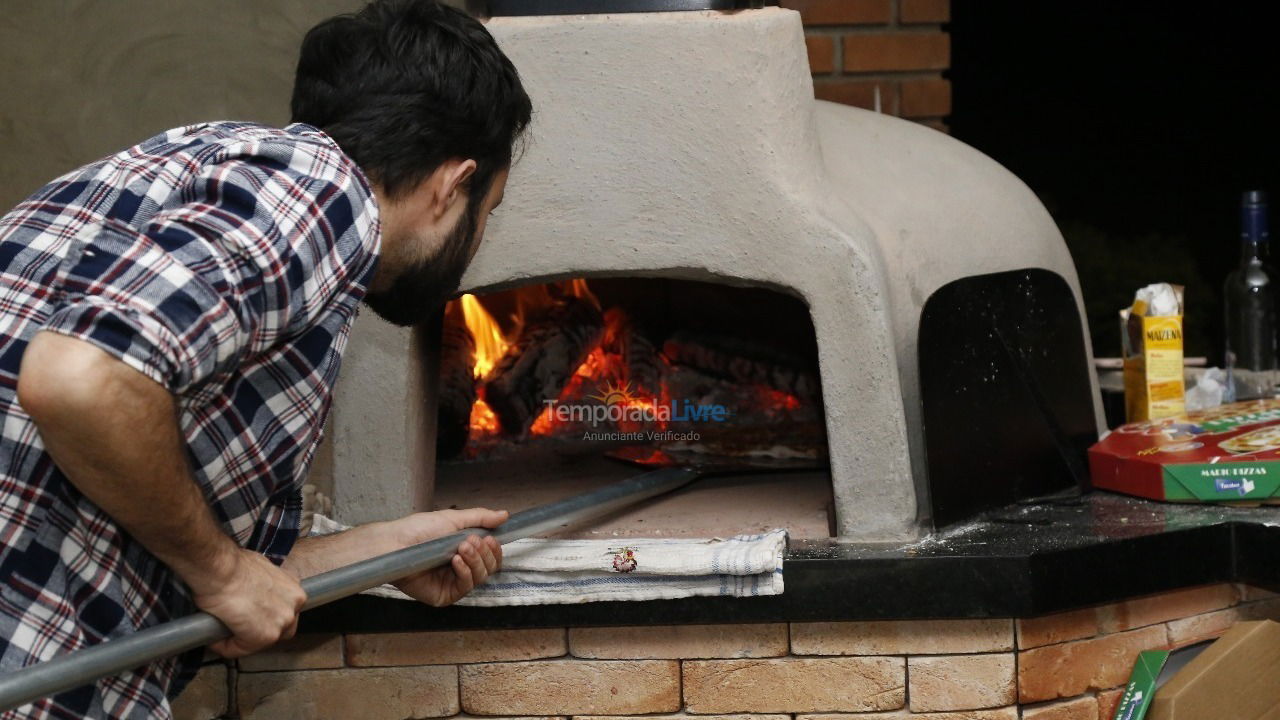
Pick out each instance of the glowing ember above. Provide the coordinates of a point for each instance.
(597, 365)
(490, 343)
(771, 399)
(544, 425)
(482, 418)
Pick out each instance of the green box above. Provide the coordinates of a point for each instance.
(1150, 671)
(1142, 685)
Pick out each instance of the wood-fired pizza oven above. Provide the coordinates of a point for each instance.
(909, 303)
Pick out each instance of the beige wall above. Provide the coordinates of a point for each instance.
(80, 79)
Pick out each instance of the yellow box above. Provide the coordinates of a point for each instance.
(1153, 386)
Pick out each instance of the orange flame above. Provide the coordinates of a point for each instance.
(491, 345)
(577, 287)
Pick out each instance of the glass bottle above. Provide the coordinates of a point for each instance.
(1250, 302)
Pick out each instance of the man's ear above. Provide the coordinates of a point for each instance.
(454, 174)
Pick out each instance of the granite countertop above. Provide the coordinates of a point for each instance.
(1020, 561)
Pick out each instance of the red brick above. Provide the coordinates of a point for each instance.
(842, 12)
(1108, 700)
(680, 716)
(860, 93)
(302, 652)
(1056, 628)
(679, 642)
(805, 685)
(1188, 631)
(924, 11)
(366, 693)
(901, 637)
(449, 647)
(930, 97)
(875, 52)
(571, 687)
(1153, 609)
(822, 53)
(1008, 713)
(1081, 708)
(465, 716)
(960, 682)
(205, 697)
(1074, 668)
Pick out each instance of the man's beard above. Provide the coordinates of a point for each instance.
(418, 293)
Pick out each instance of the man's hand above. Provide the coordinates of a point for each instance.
(477, 558)
(258, 601)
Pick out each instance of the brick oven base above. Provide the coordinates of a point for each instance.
(1065, 666)
(1036, 609)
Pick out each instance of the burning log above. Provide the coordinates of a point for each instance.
(457, 385)
(543, 358)
(641, 363)
(741, 362)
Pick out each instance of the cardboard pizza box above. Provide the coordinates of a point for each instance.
(1229, 453)
(1237, 677)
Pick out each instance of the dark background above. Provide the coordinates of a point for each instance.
(1138, 125)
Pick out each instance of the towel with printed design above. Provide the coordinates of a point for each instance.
(548, 572)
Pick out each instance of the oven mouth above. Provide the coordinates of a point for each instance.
(550, 389)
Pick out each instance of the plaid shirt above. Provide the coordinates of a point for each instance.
(225, 261)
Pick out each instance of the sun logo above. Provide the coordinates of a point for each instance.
(613, 394)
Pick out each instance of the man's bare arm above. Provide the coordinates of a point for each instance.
(114, 433)
(476, 560)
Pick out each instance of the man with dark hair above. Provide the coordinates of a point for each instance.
(172, 318)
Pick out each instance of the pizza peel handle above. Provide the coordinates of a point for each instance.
(113, 657)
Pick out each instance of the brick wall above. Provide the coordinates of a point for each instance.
(1068, 666)
(899, 47)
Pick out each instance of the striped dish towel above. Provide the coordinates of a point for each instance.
(550, 572)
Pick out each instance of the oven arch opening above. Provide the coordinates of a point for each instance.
(540, 385)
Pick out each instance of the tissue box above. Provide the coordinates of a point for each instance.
(1229, 453)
